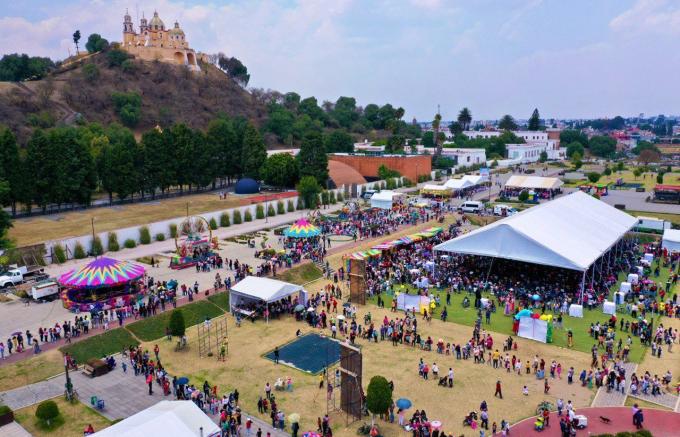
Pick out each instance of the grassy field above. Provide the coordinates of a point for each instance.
(630, 401)
(301, 274)
(221, 300)
(73, 224)
(32, 370)
(97, 346)
(153, 328)
(673, 218)
(74, 417)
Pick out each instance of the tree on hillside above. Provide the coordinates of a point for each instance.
(280, 170)
(253, 152)
(312, 158)
(76, 40)
(345, 111)
(465, 118)
(378, 396)
(507, 122)
(291, 101)
(15, 67)
(534, 121)
(339, 141)
(95, 43)
(234, 68)
(649, 155)
(602, 146)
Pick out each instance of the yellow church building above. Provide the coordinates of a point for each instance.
(155, 42)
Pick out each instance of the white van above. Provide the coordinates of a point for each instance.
(472, 206)
(504, 210)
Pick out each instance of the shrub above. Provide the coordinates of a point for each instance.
(291, 206)
(271, 212)
(213, 223)
(363, 189)
(659, 178)
(160, 236)
(280, 208)
(96, 247)
(224, 220)
(391, 184)
(113, 242)
(47, 411)
(248, 216)
(340, 197)
(130, 243)
(259, 212)
(624, 434)
(237, 217)
(90, 72)
(324, 198)
(58, 253)
(407, 182)
(378, 395)
(173, 230)
(78, 251)
(144, 235)
(176, 323)
(523, 196)
(331, 198)
(642, 433)
(300, 204)
(4, 409)
(607, 171)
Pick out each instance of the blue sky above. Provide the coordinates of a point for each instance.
(569, 58)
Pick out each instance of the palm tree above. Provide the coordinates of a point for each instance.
(465, 118)
(435, 126)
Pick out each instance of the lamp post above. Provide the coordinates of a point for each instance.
(94, 250)
(266, 210)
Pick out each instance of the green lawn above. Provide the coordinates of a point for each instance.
(153, 328)
(220, 299)
(109, 342)
(301, 274)
(673, 218)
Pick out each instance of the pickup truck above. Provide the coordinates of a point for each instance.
(11, 277)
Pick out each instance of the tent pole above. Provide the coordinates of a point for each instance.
(583, 286)
(267, 307)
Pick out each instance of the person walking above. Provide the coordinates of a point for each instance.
(276, 355)
(149, 381)
(499, 391)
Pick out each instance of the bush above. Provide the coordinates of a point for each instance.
(607, 171)
(642, 433)
(237, 217)
(160, 236)
(116, 57)
(130, 243)
(58, 253)
(176, 323)
(523, 196)
(78, 251)
(290, 206)
(96, 247)
(113, 242)
(259, 212)
(280, 208)
(624, 434)
(213, 223)
(340, 197)
(324, 198)
(300, 204)
(378, 395)
(4, 409)
(248, 216)
(593, 177)
(391, 184)
(90, 72)
(224, 220)
(173, 230)
(407, 183)
(144, 235)
(659, 178)
(331, 198)
(47, 411)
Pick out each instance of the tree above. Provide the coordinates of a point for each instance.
(465, 118)
(46, 412)
(253, 152)
(15, 67)
(221, 134)
(385, 173)
(593, 177)
(291, 101)
(428, 139)
(435, 127)
(280, 122)
(117, 170)
(523, 196)
(569, 136)
(575, 147)
(176, 324)
(128, 106)
(11, 168)
(637, 172)
(543, 157)
(308, 191)
(534, 121)
(95, 43)
(576, 160)
(602, 146)
(607, 171)
(378, 396)
(649, 155)
(644, 145)
(456, 128)
(234, 68)
(345, 111)
(395, 144)
(280, 170)
(312, 158)
(76, 40)
(339, 141)
(659, 177)
(507, 122)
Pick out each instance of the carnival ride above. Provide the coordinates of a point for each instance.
(194, 242)
(100, 285)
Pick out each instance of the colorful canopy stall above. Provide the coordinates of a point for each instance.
(533, 326)
(436, 190)
(302, 229)
(104, 281)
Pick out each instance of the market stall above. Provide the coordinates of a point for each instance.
(671, 240)
(256, 295)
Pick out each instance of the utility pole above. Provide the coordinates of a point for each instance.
(93, 247)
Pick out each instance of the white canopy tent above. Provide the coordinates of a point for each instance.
(533, 182)
(255, 288)
(175, 418)
(385, 199)
(475, 179)
(671, 240)
(570, 232)
(436, 189)
(458, 184)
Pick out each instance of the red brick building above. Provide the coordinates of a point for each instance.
(409, 166)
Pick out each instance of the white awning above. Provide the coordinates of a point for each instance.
(537, 182)
(171, 418)
(569, 232)
(265, 289)
(433, 187)
(671, 240)
(458, 184)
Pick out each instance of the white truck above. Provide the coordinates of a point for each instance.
(504, 210)
(48, 289)
(12, 277)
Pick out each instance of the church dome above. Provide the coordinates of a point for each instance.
(176, 30)
(156, 23)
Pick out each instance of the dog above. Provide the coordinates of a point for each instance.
(606, 420)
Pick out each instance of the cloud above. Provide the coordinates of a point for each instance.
(511, 27)
(649, 16)
(467, 41)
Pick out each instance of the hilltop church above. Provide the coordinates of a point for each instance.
(155, 42)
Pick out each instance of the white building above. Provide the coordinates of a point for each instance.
(462, 157)
(367, 146)
(531, 152)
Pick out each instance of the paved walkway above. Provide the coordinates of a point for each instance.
(14, 430)
(124, 395)
(613, 398)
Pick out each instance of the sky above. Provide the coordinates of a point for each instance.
(568, 58)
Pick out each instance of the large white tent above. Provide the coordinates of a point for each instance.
(533, 182)
(385, 199)
(255, 288)
(171, 418)
(571, 232)
(671, 240)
